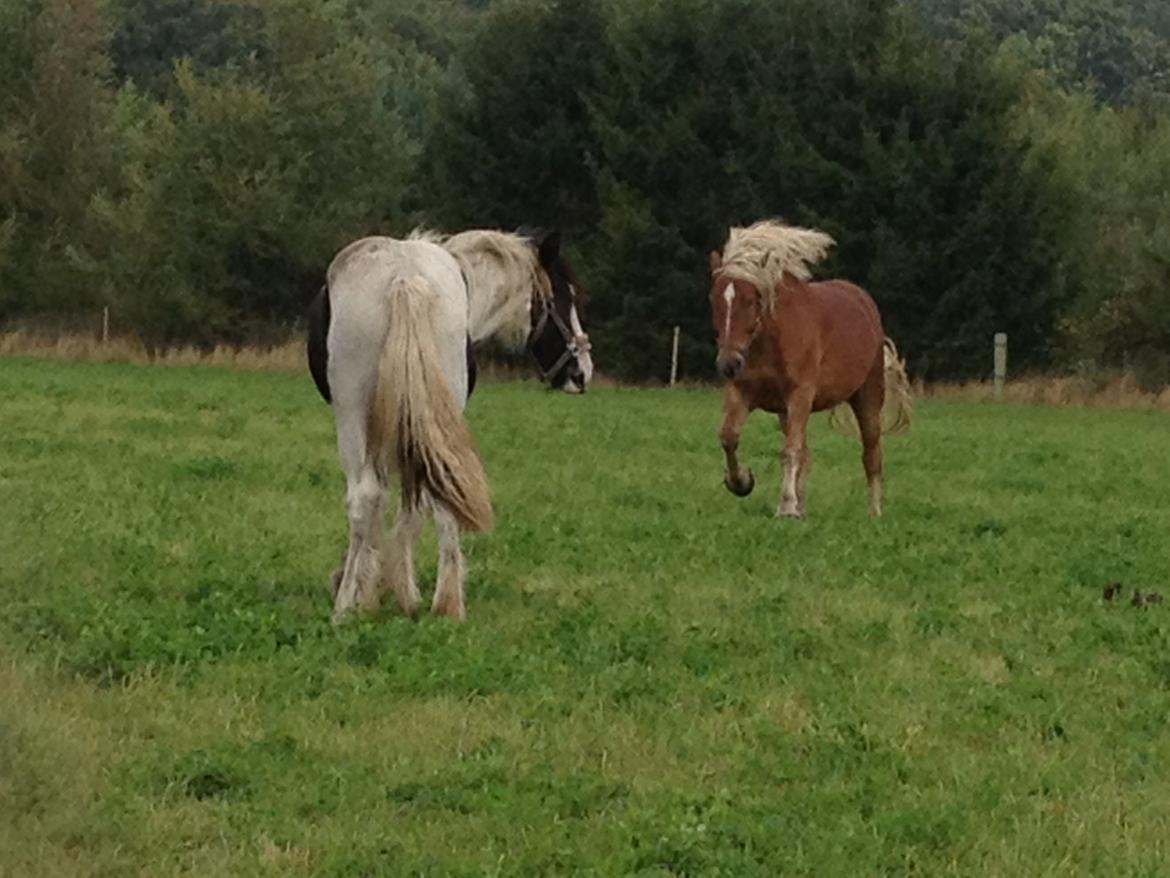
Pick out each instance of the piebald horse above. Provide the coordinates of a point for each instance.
(792, 347)
(391, 346)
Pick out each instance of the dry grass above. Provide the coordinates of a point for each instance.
(1117, 391)
(287, 356)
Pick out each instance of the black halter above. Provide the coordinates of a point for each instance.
(575, 344)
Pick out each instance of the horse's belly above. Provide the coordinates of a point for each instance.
(768, 390)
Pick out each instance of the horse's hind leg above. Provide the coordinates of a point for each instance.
(867, 407)
(398, 559)
(358, 587)
(365, 498)
(449, 590)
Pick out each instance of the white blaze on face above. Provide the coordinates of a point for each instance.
(728, 297)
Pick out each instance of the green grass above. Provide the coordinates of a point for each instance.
(656, 678)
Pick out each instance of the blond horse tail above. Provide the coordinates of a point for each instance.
(416, 425)
(898, 409)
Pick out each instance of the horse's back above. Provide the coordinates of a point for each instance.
(849, 317)
(380, 260)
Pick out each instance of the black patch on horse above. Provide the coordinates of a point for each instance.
(472, 368)
(317, 342)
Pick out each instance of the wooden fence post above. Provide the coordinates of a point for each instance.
(105, 324)
(1000, 363)
(674, 358)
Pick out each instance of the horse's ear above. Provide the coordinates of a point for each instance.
(715, 261)
(549, 248)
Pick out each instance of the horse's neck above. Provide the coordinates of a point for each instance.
(791, 311)
(792, 289)
(498, 305)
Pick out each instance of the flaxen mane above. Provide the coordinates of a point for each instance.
(764, 252)
(500, 262)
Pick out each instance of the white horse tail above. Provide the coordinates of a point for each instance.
(416, 424)
(899, 408)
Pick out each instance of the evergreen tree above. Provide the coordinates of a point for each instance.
(513, 146)
(851, 121)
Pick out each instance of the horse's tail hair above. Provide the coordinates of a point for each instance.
(898, 410)
(416, 425)
(899, 398)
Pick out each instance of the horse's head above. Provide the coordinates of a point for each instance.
(557, 339)
(737, 311)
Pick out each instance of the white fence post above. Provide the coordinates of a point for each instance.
(1000, 363)
(674, 358)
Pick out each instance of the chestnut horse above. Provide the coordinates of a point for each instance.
(793, 347)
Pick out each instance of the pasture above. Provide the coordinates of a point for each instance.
(656, 677)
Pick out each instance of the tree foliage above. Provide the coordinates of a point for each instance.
(701, 115)
(983, 165)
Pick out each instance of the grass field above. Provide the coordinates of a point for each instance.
(656, 678)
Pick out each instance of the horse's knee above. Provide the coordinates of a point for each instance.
(729, 441)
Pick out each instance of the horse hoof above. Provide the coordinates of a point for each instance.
(794, 514)
(409, 608)
(740, 487)
(450, 610)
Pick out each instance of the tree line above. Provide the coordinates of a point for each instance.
(986, 165)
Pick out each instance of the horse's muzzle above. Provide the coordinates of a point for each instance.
(575, 379)
(729, 364)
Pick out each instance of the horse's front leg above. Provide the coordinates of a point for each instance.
(739, 480)
(805, 466)
(795, 455)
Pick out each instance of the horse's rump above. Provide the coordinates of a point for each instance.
(898, 409)
(416, 425)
